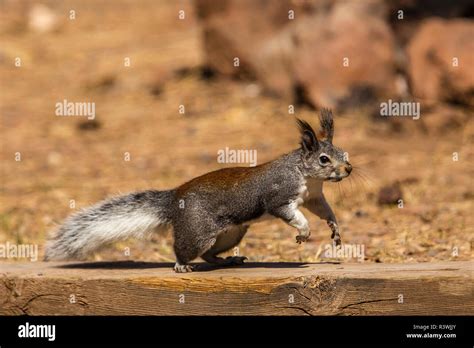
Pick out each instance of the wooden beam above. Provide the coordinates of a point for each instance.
(141, 288)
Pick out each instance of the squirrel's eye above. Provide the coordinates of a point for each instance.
(324, 159)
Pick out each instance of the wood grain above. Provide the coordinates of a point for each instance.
(140, 288)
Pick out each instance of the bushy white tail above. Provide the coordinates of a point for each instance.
(119, 218)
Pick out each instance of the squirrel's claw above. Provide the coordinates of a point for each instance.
(300, 239)
(178, 268)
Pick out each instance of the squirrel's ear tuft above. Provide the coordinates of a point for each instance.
(309, 141)
(327, 125)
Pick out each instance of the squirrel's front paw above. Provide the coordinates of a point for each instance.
(301, 238)
(336, 237)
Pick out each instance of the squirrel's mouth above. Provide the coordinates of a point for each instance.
(336, 178)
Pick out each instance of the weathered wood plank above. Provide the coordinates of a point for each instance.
(138, 288)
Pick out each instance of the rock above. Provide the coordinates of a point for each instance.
(390, 194)
(333, 67)
(304, 56)
(414, 11)
(236, 29)
(441, 61)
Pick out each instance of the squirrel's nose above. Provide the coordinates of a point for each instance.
(348, 168)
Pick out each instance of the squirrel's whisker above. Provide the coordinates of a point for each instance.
(364, 179)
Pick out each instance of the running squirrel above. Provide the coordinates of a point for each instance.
(211, 213)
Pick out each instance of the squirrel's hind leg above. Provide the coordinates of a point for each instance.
(226, 240)
(188, 247)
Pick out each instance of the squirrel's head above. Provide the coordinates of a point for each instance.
(321, 159)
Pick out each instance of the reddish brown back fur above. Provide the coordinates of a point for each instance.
(222, 179)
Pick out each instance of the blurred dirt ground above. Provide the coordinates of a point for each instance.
(70, 158)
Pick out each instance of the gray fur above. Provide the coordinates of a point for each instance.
(211, 213)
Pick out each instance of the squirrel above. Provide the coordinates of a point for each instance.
(211, 213)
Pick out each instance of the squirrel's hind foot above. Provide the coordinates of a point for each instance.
(178, 268)
(235, 260)
(228, 261)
